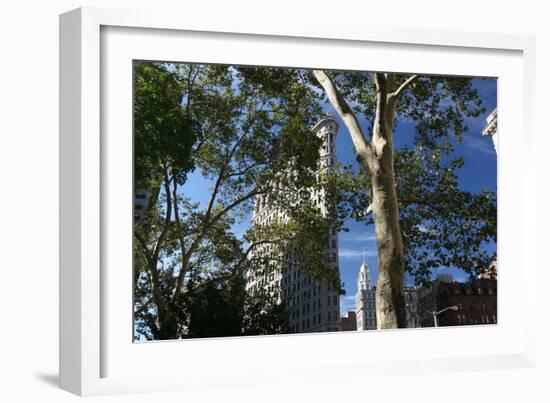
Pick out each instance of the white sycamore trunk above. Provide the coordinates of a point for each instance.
(376, 157)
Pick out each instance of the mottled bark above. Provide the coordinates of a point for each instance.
(390, 303)
(376, 158)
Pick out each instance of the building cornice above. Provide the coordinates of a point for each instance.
(324, 120)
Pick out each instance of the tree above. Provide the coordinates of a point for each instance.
(243, 127)
(438, 106)
(163, 144)
(163, 132)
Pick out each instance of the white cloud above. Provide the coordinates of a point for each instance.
(481, 144)
(354, 253)
(360, 237)
(347, 303)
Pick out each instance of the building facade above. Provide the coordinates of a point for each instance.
(365, 300)
(141, 201)
(491, 129)
(411, 306)
(312, 305)
(475, 299)
(492, 272)
(349, 322)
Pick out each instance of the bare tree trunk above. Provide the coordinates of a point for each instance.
(376, 157)
(390, 302)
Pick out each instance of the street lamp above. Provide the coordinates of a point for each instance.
(435, 313)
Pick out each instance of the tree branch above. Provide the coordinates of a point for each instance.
(223, 169)
(143, 244)
(153, 272)
(404, 85)
(183, 270)
(239, 267)
(168, 214)
(360, 142)
(208, 222)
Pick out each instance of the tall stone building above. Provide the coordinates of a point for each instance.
(365, 300)
(311, 304)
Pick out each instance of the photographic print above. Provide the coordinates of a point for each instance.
(275, 200)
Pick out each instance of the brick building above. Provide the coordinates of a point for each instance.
(349, 322)
(476, 300)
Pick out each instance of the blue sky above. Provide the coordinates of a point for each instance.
(479, 171)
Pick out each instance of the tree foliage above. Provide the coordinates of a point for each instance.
(243, 129)
(441, 224)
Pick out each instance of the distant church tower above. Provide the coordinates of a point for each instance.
(365, 300)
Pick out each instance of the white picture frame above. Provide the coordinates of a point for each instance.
(96, 356)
